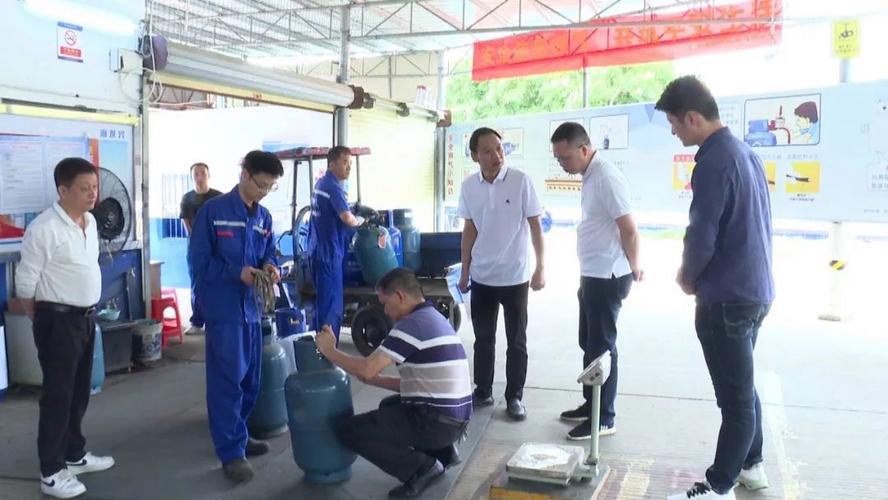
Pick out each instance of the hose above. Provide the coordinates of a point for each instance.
(263, 286)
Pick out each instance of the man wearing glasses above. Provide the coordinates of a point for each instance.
(329, 232)
(231, 240)
(608, 250)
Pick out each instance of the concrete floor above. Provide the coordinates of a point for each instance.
(822, 385)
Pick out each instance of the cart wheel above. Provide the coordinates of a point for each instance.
(369, 327)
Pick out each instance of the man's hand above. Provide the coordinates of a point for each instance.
(538, 281)
(687, 288)
(247, 275)
(464, 282)
(638, 274)
(272, 270)
(325, 340)
(28, 305)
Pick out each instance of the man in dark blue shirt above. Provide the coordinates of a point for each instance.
(329, 231)
(727, 265)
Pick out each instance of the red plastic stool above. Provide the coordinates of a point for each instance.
(172, 325)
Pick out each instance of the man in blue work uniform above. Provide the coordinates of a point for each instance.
(329, 231)
(231, 240)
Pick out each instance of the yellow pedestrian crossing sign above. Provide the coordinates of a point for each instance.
(846, 38)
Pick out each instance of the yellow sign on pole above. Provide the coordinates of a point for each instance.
(846, 38)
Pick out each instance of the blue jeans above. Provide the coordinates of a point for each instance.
(727, 333)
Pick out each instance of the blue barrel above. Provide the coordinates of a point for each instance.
(290, 321)
(411, 238)
(97, 377)
(387, 220)
(318, 402)
(375, 252)
(269, 417)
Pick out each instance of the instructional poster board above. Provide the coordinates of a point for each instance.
(825, 152)
(30, 148)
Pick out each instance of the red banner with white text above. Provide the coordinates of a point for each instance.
(632, 39)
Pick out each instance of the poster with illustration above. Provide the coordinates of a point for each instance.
(833, 169)
(783, 121)
(609, 132)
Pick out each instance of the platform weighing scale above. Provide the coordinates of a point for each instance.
(549, 469)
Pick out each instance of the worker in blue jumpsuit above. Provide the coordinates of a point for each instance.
(231, 240)
(329, 231)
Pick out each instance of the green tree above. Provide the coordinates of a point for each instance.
(469, 100)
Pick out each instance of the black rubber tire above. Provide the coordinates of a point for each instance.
(369, 327)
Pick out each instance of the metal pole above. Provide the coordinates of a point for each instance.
(838, 240)
(141, 193)
(344, 45)
(592, 459)
(440, 147)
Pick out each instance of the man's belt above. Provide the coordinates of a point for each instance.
(65, 308)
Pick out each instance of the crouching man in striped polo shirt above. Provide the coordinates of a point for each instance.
(412, 435)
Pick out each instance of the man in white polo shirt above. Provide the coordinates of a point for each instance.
(59, 282)
(608, 249)
(501, 213)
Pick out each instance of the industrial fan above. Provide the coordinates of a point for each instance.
(113, 211)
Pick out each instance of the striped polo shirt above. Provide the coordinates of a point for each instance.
(432, 362)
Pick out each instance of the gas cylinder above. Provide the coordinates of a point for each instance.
(387, 220)
(373, 246)
(290, 321)
(318, 402)
(269, 417)
(410, 238)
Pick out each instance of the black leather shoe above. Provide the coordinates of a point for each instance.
(448, 456)
(256, 447)
(516, 409)
(414, 487)
(481, 399)
(239, 470)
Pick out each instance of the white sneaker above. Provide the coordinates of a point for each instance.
(195, 330)
(62, 484)
(754, 478)
(701, 491)
(90, 463)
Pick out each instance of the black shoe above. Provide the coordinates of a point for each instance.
(239, 470)
(448, 456)
(578, 415)
(516, 409)
(584, 431)
(256, 447)
(418, 483)
(481, 398)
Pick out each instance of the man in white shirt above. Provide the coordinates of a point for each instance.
(59, 282)
(501, 213)
(608, 250)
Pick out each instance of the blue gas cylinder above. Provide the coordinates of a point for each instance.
(308, 359)
(375, 252)
(97, 377)
(759, 134)
(387, 220)
(351, 268)
(318, 402)
(411, 238)
(269, 417)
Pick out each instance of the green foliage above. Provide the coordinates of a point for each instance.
(608, 86)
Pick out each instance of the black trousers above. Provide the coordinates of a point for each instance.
(400, 439)
(486, 301)
(600, 303)
(65, 351)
